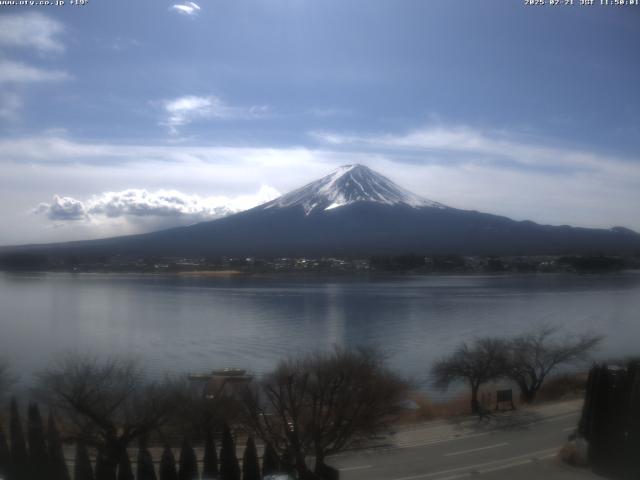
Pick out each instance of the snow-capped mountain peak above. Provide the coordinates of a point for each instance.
(347, 185)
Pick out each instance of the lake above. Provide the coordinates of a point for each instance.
(194, 324)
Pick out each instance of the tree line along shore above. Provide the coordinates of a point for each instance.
(406, 263)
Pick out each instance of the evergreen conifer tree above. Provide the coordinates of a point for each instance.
(5, 455)
(145, 470)
(168, 465)
(287, 463)
(188, 462)
(250, 465)
(270, 461)
(229, 468)
(57, 464)
(19, 469)
(101, 471)
(82, 469)
(124, 468)
(38, 461)
(210, 459)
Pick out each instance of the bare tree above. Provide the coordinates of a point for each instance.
(534, 355)
(108, 402)
(320, 404)
(482, 361)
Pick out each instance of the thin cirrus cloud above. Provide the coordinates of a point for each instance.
(144, 203)
(470, 145)
(32, 30)
(10, 104)
(186, 8)
(184, 110)
(12, 72)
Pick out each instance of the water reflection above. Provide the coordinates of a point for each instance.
(190, 324)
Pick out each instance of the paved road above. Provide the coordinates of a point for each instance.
(521, 445)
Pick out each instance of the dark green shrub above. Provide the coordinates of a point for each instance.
(145, 470)
(250, 465)
(168, 465)
(82, 469)
(188, 462)
(19, 469)
(57, 465)
(210, 459)
(229, 468)
(38, 459)
(124, 468)
(270, 461)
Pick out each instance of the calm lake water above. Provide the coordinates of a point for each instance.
(183, 324)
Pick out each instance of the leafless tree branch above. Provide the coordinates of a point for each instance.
(320, 404)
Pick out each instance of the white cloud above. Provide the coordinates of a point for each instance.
(20, 73)
(187, 8)
(189, 108)
(184, 110)
(144, 203)
(63, 209)
(31, 30)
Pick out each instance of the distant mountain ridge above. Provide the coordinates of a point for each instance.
(356, 211)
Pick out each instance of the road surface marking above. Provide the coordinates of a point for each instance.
(492, 464)
(462, 436)
(462, 452)
(495, 469)
(516, 464)
(359, 467)
(556, 418)
(473, 435)
(444, 440)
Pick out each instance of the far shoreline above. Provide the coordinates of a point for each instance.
(203, 274)
(208, 273)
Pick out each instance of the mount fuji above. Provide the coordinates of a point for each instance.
(348, 185)
(356, 211)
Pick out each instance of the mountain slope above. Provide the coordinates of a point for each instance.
(355, 211)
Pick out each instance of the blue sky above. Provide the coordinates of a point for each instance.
(120, 116)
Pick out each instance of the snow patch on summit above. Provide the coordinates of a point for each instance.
(347, 185)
